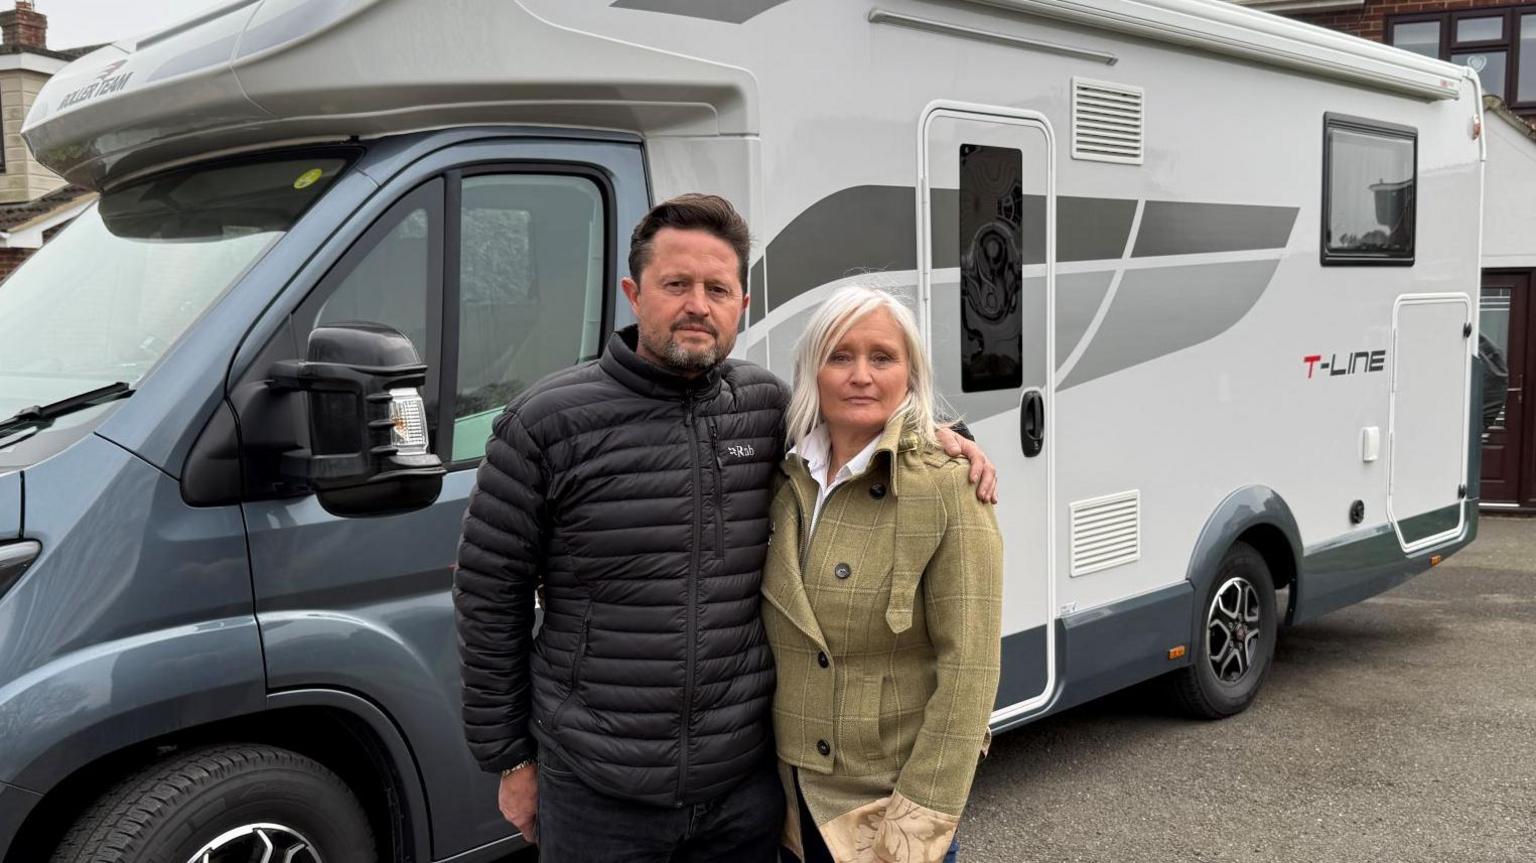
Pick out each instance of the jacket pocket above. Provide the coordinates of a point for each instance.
(576, 658)
(870, 720)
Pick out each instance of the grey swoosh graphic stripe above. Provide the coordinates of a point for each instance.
(729, 11)
(1181, 228)
(1078, 296)
(757, 292)
(1159, 311)
(1092, 229)
(870, 228)
(865, 228)
(852, 230)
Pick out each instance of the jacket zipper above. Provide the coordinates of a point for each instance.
(693, 602)
(576, 658)
(714, 444)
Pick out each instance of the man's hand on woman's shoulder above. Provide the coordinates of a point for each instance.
(983, 472)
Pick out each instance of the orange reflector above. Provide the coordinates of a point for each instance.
(1176, 652)
(1434, 560)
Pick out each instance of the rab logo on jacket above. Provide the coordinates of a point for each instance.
(741, 450)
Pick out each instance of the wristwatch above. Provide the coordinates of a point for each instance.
(526, 762)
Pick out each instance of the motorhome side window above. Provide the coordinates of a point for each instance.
(532, 272)
(991, 267)
(1369, 192)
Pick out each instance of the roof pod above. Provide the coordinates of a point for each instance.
(262, 72)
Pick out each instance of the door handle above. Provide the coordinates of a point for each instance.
(1032, 423)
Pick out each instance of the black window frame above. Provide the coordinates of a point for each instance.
(1380, 128)
(451, 296)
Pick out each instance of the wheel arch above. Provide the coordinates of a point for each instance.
(1258, 516)
(342, 730)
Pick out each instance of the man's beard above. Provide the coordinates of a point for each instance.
(682, 360)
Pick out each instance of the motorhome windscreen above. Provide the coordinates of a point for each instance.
(106, 298)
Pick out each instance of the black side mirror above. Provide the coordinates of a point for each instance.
(368, 450)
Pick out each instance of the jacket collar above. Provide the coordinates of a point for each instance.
(622, 363)
(893, 441)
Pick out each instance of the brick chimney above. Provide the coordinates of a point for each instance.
(24, 26)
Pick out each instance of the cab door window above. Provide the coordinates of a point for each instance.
(392, 276)
(532, 277)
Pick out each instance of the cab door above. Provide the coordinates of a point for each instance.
(500, 260)
(987, 202)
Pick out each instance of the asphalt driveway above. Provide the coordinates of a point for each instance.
(1401, 729)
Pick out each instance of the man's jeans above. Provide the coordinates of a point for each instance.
(578, 825)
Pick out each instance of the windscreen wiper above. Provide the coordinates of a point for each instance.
(42, 416)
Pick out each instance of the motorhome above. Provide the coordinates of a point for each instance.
(1201, 280)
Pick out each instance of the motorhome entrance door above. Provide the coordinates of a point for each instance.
(986, 193)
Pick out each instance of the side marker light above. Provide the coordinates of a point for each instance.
(1176, 652)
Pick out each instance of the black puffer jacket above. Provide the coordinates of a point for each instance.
(638, 500)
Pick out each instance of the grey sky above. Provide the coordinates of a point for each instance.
(86, 22)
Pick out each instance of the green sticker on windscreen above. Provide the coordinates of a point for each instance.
(308, 178)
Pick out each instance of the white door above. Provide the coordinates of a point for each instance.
(1431, 353)
(986, 197)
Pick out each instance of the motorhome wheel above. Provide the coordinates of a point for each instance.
(221, 804)
(1236, 645)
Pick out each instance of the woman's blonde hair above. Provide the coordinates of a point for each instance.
(827, 327)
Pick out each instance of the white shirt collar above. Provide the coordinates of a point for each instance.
(816, 449)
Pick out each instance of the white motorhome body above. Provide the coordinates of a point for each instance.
(1171, 287)
(1198, 278)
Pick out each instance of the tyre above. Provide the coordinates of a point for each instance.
(1238, 626)
(216, 804)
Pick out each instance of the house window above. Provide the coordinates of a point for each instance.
(1420, 37)
(1525, 90)
(1491, 42)
(1370, 181)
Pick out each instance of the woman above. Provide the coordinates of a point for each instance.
(883, 598)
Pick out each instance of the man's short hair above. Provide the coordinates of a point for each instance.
(692, 212)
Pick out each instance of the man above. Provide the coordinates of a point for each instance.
(634, 491)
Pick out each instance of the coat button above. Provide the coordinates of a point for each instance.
(822, 660)
(842, 570)
(824, 748)
(877, 491)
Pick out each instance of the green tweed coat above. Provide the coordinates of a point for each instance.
(885, 624)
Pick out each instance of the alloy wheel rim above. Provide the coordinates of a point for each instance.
(258, 843)
(1233, 627)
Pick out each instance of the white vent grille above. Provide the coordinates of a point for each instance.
(1106, 532)
(1107, 121)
